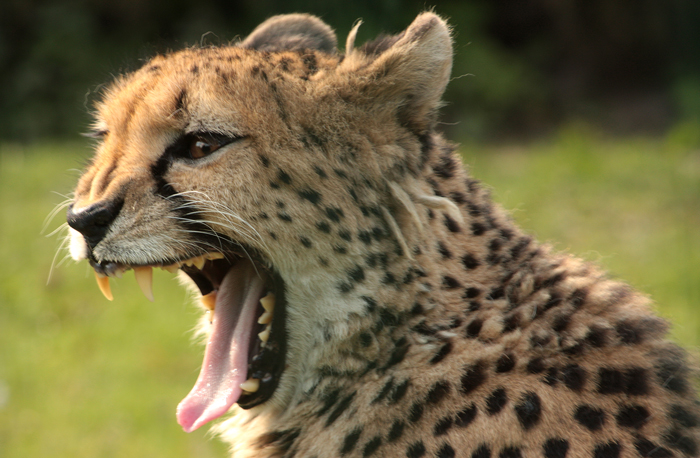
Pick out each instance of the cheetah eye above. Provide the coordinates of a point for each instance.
(199, 145)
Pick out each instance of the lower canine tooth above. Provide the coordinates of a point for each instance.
(209, 301)
(265, 335)
(144, 277)
(251, 385)
(268, 302)
(103, 283)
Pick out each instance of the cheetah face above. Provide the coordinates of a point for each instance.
(221, 163)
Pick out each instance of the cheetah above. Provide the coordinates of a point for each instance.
(361, 293)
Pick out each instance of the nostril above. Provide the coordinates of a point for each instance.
(93, 222)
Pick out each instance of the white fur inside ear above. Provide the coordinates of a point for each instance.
(78, 248)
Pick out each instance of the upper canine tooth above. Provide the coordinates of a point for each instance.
(144, 277)
(251, 385)
(268, 302)
(265, 318)
(209, 301)
(103, 283)
(199, 262)
(212, 256)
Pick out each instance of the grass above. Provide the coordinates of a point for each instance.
(84, 377)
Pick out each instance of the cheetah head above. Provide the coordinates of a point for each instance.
(250, 169)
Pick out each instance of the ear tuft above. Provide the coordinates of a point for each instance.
(292, 32)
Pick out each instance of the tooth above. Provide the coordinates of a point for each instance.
(265, 318)
(265, 335)
(144, 277)
(103, 283)
(251, 385)
(172, 268)
(119, 272)
(212, 256)
(199, 262)
(268, 302)
(209, 301)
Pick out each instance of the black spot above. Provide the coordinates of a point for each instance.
(438, 391)
(465, 416)
(482, 452)
(555, 448)
(345, 287)
(370, 303)
(311, 195)
(684, 417)
(328, 399)
(274, 185)
(389, 279)
(446, 167)
(345, 235)
(578, 297)
(323, 227)
(365, 236)
(473, 329)
(510, 452)
(471, 293)
(540, 341)
(518, 248)
(505, 363)
(384, 391)
(472, 377)
(608, 450)
(340, 249)
(561, 323)
(451, 224)
(597, 336)
(611, 381)
(441, 353)
(334, 213)
(446, 451)
(529, 410)
(450, 282)
(495, 244)
(265, 161)
(320, 172)
(372, 446)
(399, 392)
(416, 450)
(416, 412)
(474, 306)
(378, 233)
(590, 417)
(478, 228)
(637, 381)
(675, 439)
(574, 377)
(350, 441)
(284, 217)
(496, 293)
(552, 376)
(396, 431)
(671, 374)
(470, 262)
(340, 173)
(496, 401)
(632, 416)
(510, 323)
(356, 274)
(339, 409)
(648, 449)
(444, 252)
(284, 440)
(284, 177)
(443, 425)
(365, 339)
(304, 241)
(536, 366)
(397, 355)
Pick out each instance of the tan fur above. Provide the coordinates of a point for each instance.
(476, 342)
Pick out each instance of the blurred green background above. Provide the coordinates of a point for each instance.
(582, 115)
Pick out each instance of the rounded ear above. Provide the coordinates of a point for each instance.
(292, 32)
(412, 69)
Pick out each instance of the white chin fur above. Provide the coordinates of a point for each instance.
(78, 248)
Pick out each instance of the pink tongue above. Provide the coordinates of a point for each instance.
(226, 356)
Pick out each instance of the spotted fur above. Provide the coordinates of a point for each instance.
(421, 321)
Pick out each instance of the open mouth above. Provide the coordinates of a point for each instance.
(245, 353)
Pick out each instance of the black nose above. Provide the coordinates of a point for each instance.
(94, 221)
